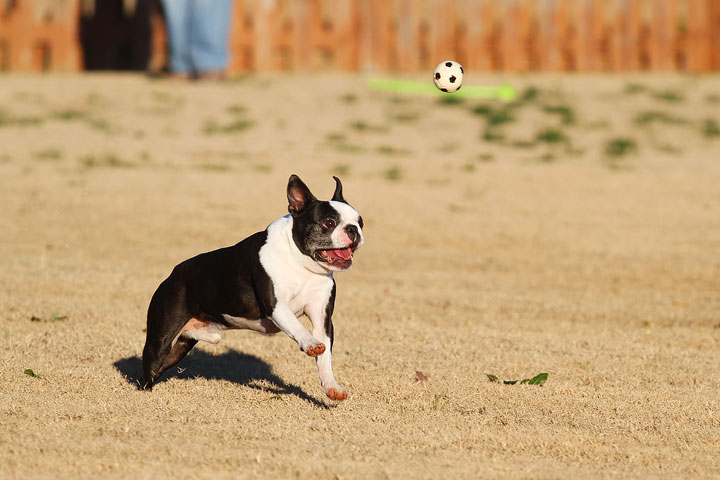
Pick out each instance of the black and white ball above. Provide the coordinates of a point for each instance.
(448, 76)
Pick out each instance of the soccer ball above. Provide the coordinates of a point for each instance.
(448, 76)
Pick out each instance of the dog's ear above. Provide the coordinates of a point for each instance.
(299, 195)
(338, 195)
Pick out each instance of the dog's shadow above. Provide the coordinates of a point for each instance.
(233, 366)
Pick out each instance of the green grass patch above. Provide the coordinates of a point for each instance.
(55, 317)
(648, 117)
(48, 154)
(341, 169)
(236, 126)
(635, 88)
(336, 137)
(345, 147)
(529, 94)
(69, 115)
(108, 160)
(546, 158)
(390, 150)
(9, 120)
(492, 135)
(394, 173)
(450, 101)
(673, 96)
(551, 136)
(237, 110)
(565, 112)
(214, 167)
(485, 157)
(362, 126)
(538, 380)
(31, 373)
(710, 128)
(620, 147)
(348, 98)
(405, 117)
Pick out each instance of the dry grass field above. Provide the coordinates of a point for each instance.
(575, 232)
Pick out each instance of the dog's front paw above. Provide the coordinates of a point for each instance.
(315, 349)
(336, 393)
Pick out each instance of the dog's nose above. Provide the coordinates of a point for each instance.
(352, 233)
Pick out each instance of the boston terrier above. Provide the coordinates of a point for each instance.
(263, 283)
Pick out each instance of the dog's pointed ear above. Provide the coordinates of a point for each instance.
(338, 195)
(299, 195)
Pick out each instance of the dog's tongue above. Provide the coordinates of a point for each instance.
(340, 253)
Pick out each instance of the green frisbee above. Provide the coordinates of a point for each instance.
(505, 93)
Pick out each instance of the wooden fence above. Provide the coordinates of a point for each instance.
(408, 35)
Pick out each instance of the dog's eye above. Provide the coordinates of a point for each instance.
(329, 223)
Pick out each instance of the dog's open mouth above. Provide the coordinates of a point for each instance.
(338, 257)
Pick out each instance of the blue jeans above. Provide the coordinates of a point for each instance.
(198, 34)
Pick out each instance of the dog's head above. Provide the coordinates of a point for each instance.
(329, 232)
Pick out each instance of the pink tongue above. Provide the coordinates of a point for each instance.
(343, 254)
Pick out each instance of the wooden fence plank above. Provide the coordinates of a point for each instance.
(412, 35)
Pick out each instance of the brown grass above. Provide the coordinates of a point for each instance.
(603, 273)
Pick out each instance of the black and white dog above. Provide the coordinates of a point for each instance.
(263, 283)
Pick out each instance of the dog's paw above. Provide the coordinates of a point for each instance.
(336, 393)
(315, 349)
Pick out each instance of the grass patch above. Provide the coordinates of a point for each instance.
(362, 126)
(394, 173)
(490, 135)
(341, 169)
(48, 154)
(335, 137)
(667, 148)
(345, 147)
(68, 115)
(390, 150)
(523, 144)
(546, 158)
(620, 147)
(237, 110)
(713, 98)
(494, 116)
(538, 380)
(485, 157)
(109, 160)
(530, 94)
(262, 168)
(31, 373)
(551, 136)
(449, 101)
(237, 126)
(339, 142)
(672, 96)
(405, 117)
(710, 128)
(349, 98)
(635, 88)
(52, 319)
(100, 124)
(654, 116)
(214, 167)
(566, 113)
(9, 120)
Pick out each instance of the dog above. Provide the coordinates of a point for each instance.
(264, 283)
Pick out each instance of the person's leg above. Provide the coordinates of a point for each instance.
(177, 21)
(209, 35)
